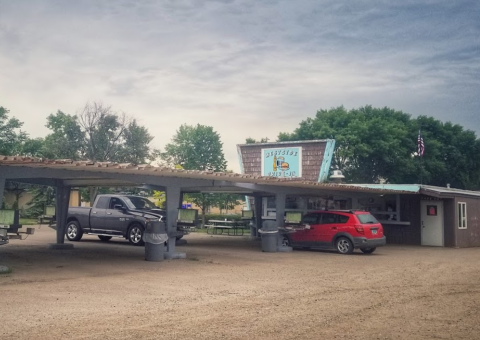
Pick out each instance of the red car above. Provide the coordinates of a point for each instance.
(339, 230)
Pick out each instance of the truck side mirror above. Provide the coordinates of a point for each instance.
(118, 207)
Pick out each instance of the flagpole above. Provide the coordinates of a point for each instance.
(420, 151)
(421, 170)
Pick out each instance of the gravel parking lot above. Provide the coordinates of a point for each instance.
(228, 289)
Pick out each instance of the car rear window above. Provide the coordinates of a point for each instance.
(367, 218)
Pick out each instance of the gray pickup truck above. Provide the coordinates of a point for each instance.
(113, 216)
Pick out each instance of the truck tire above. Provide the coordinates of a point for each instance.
(135, 234)
(73, 231)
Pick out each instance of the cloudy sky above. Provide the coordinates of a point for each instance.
(249, 68)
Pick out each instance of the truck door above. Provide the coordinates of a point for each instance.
(117, 219)
(97, 215)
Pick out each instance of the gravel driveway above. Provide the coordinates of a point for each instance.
(228, 289)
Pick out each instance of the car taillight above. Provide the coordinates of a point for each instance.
(359, 229)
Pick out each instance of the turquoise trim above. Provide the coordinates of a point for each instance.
(327, 160)
(400, 187)
(240, 160)
(242, 171)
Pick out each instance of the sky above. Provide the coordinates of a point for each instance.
(249, 68)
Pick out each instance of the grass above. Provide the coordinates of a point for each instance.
(28, 221)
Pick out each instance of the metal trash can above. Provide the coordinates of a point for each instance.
(155, 236)
(269, 234)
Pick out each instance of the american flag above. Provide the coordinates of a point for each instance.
(421, 145)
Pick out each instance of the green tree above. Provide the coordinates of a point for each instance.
(451, 154)
(33, 147)
(196, 148)
(253, 141)
(371, 144)
(67, 139)
(226, 201)
(374, 144)
(42, 196)
(17, 189)
(98, 134)
(11, 137)
(135, 144)
(202, 200)
(160, 198)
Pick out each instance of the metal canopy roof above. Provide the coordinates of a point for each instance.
(87, 173)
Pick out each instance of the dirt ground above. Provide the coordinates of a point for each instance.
(228, 289)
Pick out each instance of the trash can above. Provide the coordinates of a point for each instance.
(155, 236)
(269, 234)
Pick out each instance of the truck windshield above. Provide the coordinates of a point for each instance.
(139, 203)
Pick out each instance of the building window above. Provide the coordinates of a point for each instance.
(462, 215)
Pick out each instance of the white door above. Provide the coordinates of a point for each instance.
(432, 223)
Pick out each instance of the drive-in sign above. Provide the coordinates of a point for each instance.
(282, 162)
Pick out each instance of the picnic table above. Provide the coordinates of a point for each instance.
(217, 227)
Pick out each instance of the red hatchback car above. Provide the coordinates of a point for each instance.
(339, 230)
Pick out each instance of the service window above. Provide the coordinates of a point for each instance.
(462, 215)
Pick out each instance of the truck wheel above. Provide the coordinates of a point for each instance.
(135, 235)
(73, 231)
(104, 238)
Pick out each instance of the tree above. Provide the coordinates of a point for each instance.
(227, 201)
(374, 144)
(67, 139)
(33, 147)
(196, 148)
(11, 137)
(451, 154)
(202, 200)
(42, 196)
(98, 134)
(160, 198)
(253, 141)
(17, 189)
(134, 146)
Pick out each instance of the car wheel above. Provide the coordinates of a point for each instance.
(73, 231)
(104, 238)
(368, 250)
(135, 235)
(285, 241)
(344, 245)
